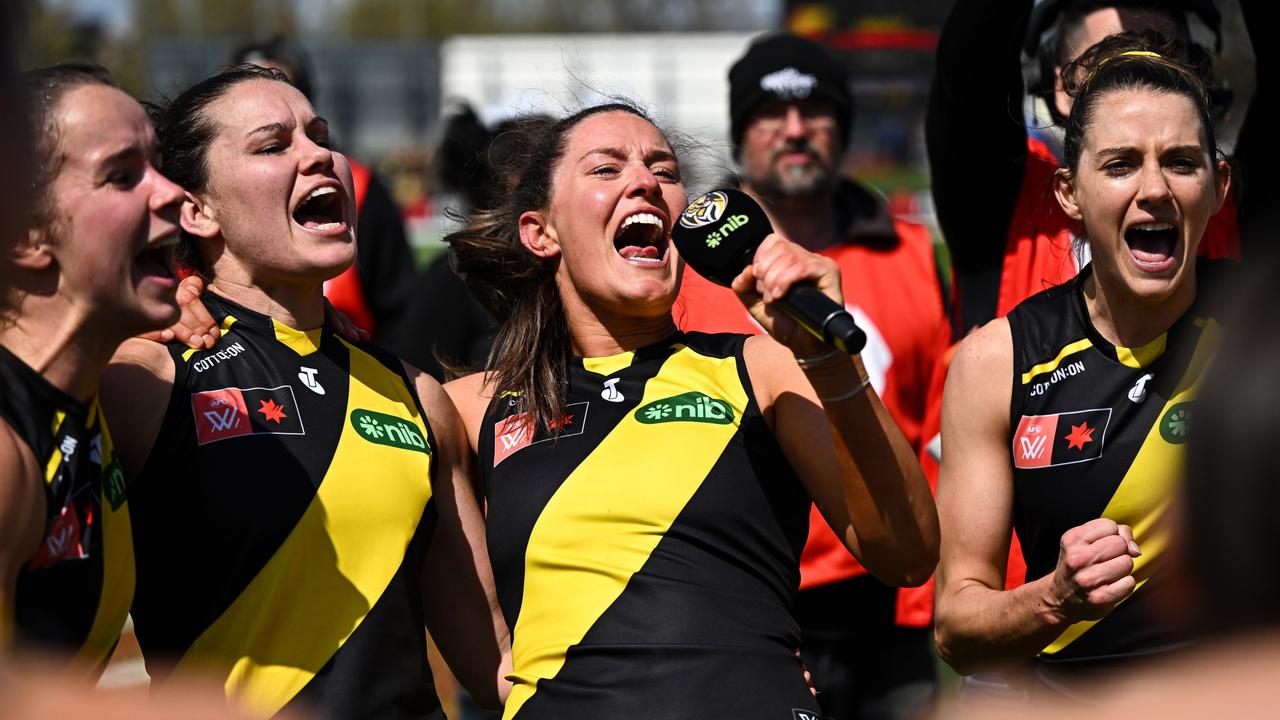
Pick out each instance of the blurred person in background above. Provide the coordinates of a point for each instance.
(376, 292)
(453, 327)
(648, 490)
(324, 511)
(89, 269)
(1066, 419)
(867, 644)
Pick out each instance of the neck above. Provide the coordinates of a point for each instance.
(1129, 322)
(806, 220)
(299, 306)
(67, 346)
(593, 333)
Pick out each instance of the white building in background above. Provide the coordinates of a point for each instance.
(681, 79)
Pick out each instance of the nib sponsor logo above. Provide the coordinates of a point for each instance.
(225, 413)
(687, 407)
(389, 430)
(1060, 439)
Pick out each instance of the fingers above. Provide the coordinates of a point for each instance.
(1095, 565)
(1091, 531)
(1126, 532)
(779, 264)
(343, 325)
(1105, 573)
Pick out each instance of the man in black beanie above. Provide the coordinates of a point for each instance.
(868, 645)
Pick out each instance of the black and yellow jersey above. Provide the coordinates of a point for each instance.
(73, 595)
(1099, 431)
(281, 522)
(646, 550)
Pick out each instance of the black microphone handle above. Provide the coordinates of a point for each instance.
(822, 317)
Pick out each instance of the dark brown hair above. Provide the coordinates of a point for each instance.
(185, 131)
(529, 358)
(1129, 61)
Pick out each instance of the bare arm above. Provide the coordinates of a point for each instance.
(459, 597)
(22, 517)
(850, 455)
(135, 395)
(978, 624)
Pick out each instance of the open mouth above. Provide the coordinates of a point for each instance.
(642, 239)
(1152, 245)
(158, 259)
(321, 211)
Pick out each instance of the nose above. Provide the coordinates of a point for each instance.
(644, 184)
(164, 192)
(793, 123)
(316, 157)
(1154, 188)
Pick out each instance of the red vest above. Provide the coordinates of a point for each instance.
(345, 292)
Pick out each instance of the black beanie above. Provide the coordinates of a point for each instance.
(786, 67)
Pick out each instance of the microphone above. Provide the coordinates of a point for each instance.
(718, 234)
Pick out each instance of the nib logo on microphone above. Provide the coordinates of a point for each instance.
(715, 237)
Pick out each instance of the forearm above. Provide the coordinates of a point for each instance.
(891, 511)
(978, 628)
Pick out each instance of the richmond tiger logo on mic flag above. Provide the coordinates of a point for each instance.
(704, 210)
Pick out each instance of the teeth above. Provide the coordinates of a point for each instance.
(1153, 226)
(642, 218)
(328, 226)
(320, 192)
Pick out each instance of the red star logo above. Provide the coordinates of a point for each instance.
(1080, 434)
(271, 411)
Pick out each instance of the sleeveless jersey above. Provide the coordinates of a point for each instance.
(281, 523)
(1099, 431)
(646, 556)
(73, 595)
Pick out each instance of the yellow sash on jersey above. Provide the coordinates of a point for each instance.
(1152, 481)
(335, 564)
(607, 517)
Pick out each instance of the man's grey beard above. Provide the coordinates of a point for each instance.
(795, 181)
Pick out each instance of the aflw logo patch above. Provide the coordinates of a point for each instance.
(1060, 439)
(233, 412)
(513, 434)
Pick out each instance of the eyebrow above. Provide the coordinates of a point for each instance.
(1111, 151)
(657, 154)
(277, 127)
(123, 153)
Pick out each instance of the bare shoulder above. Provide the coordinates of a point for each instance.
(471, 394)
(772, 369)
(136, 353)
(986, 353)
(135, 391)
(440, 408)
(21, 503)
